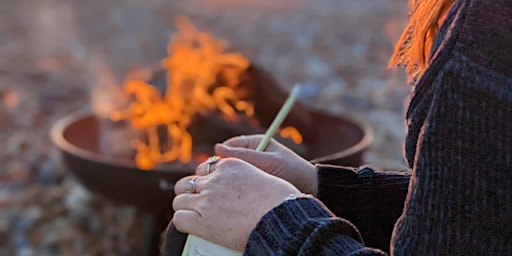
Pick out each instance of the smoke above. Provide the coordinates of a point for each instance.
(106, 93)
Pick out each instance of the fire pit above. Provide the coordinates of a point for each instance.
(326, 139)
(202, 96)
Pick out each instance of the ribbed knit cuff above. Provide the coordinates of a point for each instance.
(369, 199)
(346, 191)
(338, 188)
(348, 177)
(301, 227)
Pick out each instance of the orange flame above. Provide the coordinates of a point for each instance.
(194, 63)
(292, 133)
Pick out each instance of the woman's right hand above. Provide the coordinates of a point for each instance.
(276, 160)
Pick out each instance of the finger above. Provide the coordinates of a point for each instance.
(201, 169)
(251, 142)
(244, 141)
(248, 155)
(185, 201)
(206, 168)
(184, 184)
(186, 221)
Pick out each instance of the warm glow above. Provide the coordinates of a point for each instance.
(194, 64)
(290, 132)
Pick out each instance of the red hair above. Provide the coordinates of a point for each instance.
(412, 50)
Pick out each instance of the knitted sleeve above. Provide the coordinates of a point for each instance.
(460, 140)
(369, 199)
(459, 145)
(304, 226)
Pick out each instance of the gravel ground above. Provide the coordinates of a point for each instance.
(55, 53)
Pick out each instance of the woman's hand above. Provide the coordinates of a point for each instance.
(276, 159)
(228, 203)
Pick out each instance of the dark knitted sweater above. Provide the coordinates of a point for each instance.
(459, 150)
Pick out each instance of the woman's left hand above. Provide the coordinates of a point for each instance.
(228, 203)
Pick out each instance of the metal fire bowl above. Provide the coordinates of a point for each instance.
(328, 138)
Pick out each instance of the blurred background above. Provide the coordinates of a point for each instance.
(58, 56)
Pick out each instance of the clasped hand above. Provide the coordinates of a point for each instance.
(226, 204)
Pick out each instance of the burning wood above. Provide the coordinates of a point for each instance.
(201, 79)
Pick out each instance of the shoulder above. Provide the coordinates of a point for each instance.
(481, 31)
(471, 56)
(487, 34)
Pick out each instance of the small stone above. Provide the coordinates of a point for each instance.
(10, 98)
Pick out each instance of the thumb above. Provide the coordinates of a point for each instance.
(244, 141)
(248, 155)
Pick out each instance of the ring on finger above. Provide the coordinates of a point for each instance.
(211, 160)
(192, 186)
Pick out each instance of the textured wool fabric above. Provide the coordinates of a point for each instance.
(371, 200)
(459, 150)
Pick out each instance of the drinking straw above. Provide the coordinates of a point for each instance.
(281, 115)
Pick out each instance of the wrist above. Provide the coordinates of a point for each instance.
(311, 187)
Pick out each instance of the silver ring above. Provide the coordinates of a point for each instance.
(192, 187)
(211, 160)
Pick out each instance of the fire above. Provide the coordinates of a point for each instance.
(194, 64)
(292, 133)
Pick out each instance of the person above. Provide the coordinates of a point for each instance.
(457, 197)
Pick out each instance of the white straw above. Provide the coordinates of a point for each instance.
(281, 115)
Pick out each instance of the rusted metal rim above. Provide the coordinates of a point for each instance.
(57, 133)
(358, 148)
(58, 130)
